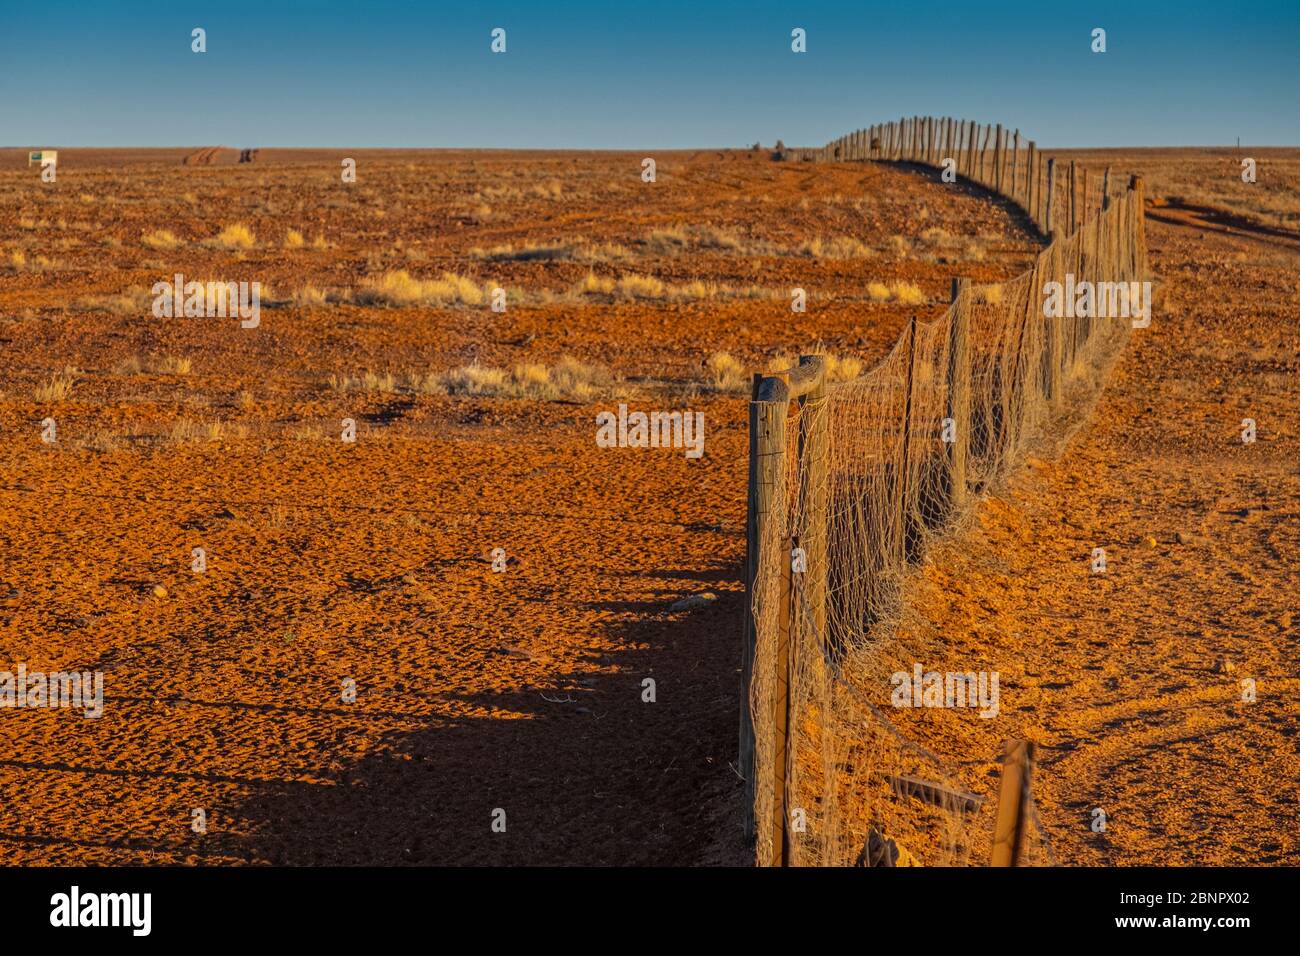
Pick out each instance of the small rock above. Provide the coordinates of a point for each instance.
(1223, 666)
(159, 591)
(1185, 538)
(1150, 542)
(692, 601)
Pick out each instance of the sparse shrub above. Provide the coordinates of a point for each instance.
(592, 283)
(308, 296)
(160, 239)
(397, 287)
(186, 430)
(839, 247)
(569, 380)
(154, 365)
(906, 293)
(900, 293)
(293, 239)
(726, 374)
(641, 287)
(237, 236)
(58, 387)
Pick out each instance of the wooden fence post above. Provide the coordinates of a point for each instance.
(1105, 190)
(766, 458)
(781, 714)
(1051, 195)
(1015, 167)
(813, 426)
(1031, 192)
(959, 389)
(997, 160)
(1013, 802)
(907, 441)
(1083, 202)
(1138, 189)
(1074, 204)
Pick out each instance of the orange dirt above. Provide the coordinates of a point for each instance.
(327, 561)
(1118, 676)
(522, 690)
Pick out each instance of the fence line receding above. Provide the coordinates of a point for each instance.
(849, 482)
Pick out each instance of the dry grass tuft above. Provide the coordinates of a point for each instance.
(134, 301)
(839, 368)
(568, 380)
(900, 293)
(293, 239)
(160, 239)
(308, 296)
(839, 247)
(237, 236)
(399, 288)
(726, 373)
(154, 365)
(185, 430)
(58, 387)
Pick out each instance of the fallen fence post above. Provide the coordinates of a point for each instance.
(1013, 800)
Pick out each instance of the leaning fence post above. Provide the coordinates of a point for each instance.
(959, 389)
(1013, 801)
(1105, 190)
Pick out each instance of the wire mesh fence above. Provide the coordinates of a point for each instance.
(849, 484)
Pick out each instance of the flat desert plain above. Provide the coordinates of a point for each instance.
(498, 589)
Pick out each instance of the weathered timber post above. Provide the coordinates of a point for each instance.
(1105, 190)
(1055, 334)
(1013, 802)
(997, 160)
(813, 429)
(1031, 193)
(904, 469)
(1051, 196)
(959, 389)
(1083, 202)
(1015, 167)
(1138, 189)
(1074, 204)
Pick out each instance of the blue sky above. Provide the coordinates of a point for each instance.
(627, 74)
